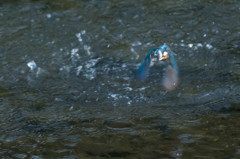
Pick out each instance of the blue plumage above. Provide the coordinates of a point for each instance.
(154, 56)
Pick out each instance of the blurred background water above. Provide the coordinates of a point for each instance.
(68, 87)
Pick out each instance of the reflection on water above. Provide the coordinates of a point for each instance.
(68, 86)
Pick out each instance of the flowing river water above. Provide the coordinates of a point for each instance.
(68, 86)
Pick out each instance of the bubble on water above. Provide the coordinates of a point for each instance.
(49, 15)
(209, 46)
(79, 36)
(136, 43)
(83, 32)
(32, 65)
(124, 65)
(199, 45)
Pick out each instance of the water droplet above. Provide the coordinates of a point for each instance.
(32, 65)
(190, 45)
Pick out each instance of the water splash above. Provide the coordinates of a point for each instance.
(32, 65)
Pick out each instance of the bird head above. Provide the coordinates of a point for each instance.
(160, 54)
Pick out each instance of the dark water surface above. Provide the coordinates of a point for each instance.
(68, 87)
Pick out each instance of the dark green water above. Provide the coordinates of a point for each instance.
(68, 87)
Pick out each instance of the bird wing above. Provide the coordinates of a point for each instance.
(145, 65)
(172, 61)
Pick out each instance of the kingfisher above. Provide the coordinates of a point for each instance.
(156, 55)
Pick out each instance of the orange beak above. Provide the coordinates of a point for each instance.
(165, 58)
